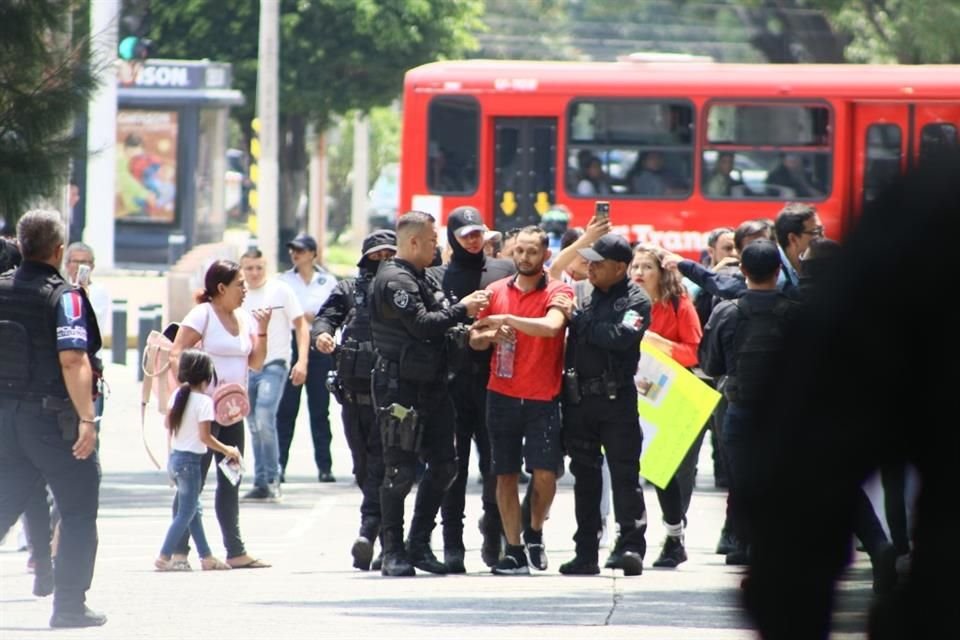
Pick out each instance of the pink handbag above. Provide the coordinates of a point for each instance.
(230, 403)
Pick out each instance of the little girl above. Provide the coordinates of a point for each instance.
(189, 418)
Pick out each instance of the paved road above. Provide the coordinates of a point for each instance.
(312, 591)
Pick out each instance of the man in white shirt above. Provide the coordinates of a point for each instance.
(312, 286)
(266, 386)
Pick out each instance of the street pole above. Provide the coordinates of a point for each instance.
(268, 114)
(359, 224)
(317, 213)
(98, 231)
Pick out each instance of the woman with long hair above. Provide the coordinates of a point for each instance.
(675, 330)
(236, 341)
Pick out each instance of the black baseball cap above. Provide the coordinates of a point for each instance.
(378, 241)
(303, 241)
(465, 220)
(609, 247)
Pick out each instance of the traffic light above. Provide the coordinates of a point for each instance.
(134, 25)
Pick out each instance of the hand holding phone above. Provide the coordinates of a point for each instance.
(83, 275)
(601, 210)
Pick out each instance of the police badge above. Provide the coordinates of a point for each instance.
(401, 299)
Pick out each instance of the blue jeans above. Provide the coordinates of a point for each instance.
(265, 390)
(184, 468)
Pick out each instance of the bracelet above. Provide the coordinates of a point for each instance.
(94, 421)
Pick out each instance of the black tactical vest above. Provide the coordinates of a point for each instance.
(30, 365)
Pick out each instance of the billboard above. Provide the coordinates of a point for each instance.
(146, 166)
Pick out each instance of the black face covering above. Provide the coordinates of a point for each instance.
(463, 257)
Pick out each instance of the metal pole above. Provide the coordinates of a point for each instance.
(119, 333)
(144, 327)
(268, 114)
(102, 134)
(361, 179)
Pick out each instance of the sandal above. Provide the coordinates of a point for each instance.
(172, 565)
(252, 564)
(211, 563)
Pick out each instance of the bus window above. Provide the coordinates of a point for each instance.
(453, 139)
(630, 148)
(936, 138)
(767, 151)
(884, 142)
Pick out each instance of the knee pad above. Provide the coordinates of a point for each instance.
(445, 474)
(398, 479)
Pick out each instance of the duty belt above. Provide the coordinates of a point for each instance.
(593, 387)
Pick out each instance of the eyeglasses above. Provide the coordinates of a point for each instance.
(816, 232)
(89, 263)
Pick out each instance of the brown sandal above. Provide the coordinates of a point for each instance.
(210, 563)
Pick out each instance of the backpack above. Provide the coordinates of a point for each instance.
(758, 341)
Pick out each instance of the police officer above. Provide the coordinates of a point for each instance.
(47, 425)
(600, 408)
(409, 322)
(348, 308)
(470, 270)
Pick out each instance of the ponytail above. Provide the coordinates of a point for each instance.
(175, 417)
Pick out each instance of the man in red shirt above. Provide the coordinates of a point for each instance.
(525, 319)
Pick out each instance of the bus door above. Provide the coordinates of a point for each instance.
(524, 170)
(892, 138)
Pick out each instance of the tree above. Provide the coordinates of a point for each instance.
(904, 31)
(45, 82)
(335, 55)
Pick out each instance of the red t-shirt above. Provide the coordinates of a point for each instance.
(538, 362)
(682, 326)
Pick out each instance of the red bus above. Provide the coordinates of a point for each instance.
(679, 148)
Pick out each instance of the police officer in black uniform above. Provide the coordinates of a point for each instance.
(470, 270)
(414, 412)
(600, 408)
(47, 419)
(348, 307)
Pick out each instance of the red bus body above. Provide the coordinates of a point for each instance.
(851, 120)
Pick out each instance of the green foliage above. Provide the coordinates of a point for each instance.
(45, 81)
(335, 55)
(905, 31)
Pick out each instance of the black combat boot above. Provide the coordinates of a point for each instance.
(395, 561)
(453, 558)
(492, 548)
(421, 556)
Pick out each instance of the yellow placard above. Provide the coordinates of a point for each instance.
(674, 404)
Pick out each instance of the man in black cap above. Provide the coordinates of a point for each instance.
(313, 285)
(469, 270)
(409, 322)
(600, 408)
(348, 308)
(739, 342)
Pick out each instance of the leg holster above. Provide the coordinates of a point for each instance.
(400, 428)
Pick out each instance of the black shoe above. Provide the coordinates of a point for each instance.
(884, 570)
(580, 566)
(513, 563)
(492, 548)
(258, 494)
(395, 564)
(727, 543)
(453, 558)
(362, 552)
(536, 550)
(630, 562)
(42, 581)
(377, 562)
(77, 619)
(672, 553)
(326, 476)
(422, 557)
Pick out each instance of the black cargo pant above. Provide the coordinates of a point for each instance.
(469, 393)
(592, 429)
(435, 415)
(363, 438)
(33, 451)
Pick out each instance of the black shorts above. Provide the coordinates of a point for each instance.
(523, 430)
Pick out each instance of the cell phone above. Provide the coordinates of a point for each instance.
(601, 210)
(83, 275)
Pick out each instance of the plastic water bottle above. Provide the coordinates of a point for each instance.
(505, 355)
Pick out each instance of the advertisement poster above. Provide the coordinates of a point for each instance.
(146, 166)
(674, 405)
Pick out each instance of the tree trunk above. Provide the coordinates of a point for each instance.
(293, 179)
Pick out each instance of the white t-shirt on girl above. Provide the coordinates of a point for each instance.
(199, 409)
(228, 352)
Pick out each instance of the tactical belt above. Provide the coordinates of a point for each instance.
(593, 387)
(353, 397)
